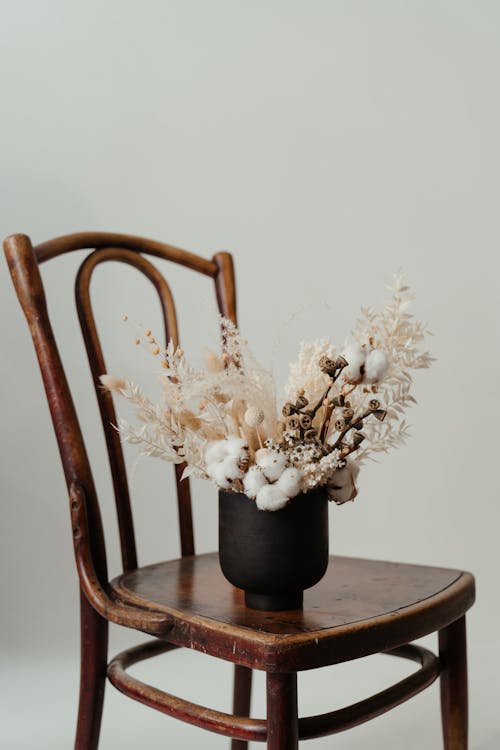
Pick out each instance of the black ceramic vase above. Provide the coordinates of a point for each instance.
(273, 556)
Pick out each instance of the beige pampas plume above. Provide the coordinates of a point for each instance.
(112, 383)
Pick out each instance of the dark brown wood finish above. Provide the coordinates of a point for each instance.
(282, 712)
(242, 695)
(454, 701)
(360, 607)
(93, 666)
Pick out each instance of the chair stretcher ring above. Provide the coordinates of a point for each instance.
(255, 730)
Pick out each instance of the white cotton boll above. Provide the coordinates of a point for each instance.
(216, 450)
(217, 472)
(262, 454)
(342, 487)
(236, 447)
(341, 495)
(271, 463)
(355, 356)
(376, 366)
(270, 497)
(289, 482)
(231, 468)
(253, 481)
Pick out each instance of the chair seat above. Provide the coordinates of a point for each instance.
(360, 607)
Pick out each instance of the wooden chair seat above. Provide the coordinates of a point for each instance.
(360, 607)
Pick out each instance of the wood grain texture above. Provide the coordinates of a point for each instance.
(454, 699)
(242, 694)
(282, 712)
(360, 607)
(93, 665)
(259, 730)
(86, 240)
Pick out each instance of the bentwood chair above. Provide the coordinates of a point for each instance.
(361, 607)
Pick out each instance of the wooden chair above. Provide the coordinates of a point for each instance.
(361, 607)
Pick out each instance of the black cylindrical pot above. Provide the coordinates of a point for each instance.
(273, 555)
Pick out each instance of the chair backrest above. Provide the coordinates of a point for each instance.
(24, 260)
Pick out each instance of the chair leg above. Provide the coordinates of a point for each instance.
(282, 712)
(454, 704)
(241, 699)
(93, 664)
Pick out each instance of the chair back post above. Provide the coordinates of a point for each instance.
(24, 261)
(225, 285)
(27, 281)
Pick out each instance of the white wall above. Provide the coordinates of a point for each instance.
(326, 144)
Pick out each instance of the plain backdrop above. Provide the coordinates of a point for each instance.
(326, 144)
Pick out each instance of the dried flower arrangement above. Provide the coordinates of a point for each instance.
(341, 407)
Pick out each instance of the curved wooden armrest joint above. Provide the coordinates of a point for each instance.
(148, 621)
(255, 730)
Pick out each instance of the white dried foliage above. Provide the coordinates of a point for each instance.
(317, 473)
(395, 331)
(216, 418)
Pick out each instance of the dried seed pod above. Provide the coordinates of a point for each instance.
(293, 423)
(301, 402)
(348, 414)
(327, 365)
(380, 414)
(340, 425)
(340, 363)
(338, 400)
(310, 435)
(358, 438)
(305, 421)
(288, 409)
(374, 404)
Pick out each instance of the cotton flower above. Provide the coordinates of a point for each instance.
(217, 472)
(376, 365)
(225, 472)
(216, 450)
(271, 462)
(271, 497)
(355, 356)
(253, 481)
(231, 468)
(236, 447)
(341, 487)
(289, 482)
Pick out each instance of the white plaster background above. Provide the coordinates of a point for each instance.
(326, 144)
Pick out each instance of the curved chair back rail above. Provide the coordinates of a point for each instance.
(24, 260)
